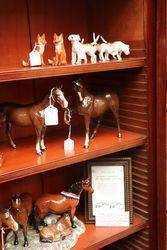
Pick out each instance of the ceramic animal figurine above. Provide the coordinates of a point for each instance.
(21, 209)
(60, 53)
(57, 231)
(81, 50)
(36, 55)
(61, 203)
(31, 115)
(7, 221)
(115, 49)
(91, 106)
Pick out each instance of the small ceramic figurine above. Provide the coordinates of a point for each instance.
(115, 49)
(81, 50)
(57, 231)
(91, 106)
(36, 55)
(61, 203)
(7, 221)
(60, 53)
(21, 209)
(31, 115)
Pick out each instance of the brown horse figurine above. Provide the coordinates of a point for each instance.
(91, 106)
(7, 221)
(21, 209)
(61, 203)
(31, 115)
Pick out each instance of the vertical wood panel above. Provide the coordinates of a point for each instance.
(14, 36)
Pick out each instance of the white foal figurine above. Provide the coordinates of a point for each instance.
(115, 49)
(81, 50)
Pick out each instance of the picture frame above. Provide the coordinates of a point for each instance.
(126, 163)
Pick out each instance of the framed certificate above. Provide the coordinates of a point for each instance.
(111, 179)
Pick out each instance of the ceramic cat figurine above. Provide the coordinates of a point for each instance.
(36, 55)
(60, 53)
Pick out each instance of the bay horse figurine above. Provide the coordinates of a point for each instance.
(31, 115)
(8, 222)
(21, 209)
(91, 106)
(61, 203)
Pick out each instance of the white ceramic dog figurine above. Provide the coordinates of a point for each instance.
(81, 50)
(115, 49)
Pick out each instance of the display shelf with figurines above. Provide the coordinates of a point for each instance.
(116, 33)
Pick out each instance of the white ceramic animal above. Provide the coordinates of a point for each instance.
(115, 49)
(81, 50)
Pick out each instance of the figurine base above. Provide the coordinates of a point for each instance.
(35, 244)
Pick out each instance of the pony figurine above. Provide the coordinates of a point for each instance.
(81, 50)
(36, 55)
(57, 231)
(21, 209)
(7, 220)
(60, 53)
(91, 106)
(31, 115)
(61, 203)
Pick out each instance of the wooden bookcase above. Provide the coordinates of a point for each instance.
(131, 21)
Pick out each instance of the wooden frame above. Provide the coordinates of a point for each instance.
(108, 162)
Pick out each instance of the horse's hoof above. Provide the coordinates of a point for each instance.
(86, 146)
(92, 137)
(74, 226)
(25, 244)
(13, 146)
(16, 242)
(39, 153)
(119, 135)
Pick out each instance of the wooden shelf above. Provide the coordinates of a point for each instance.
(23, 161)
(98, 237)
(12, 74)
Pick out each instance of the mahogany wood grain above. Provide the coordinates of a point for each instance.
(14, 34)
(97, 237)
(23, 161)
(161, 91)
(20, 73)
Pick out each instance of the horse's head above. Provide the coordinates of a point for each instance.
(80, 89)
(58, 95)
(16, 202)
(7, 220)
(86, 185)
(78, 86)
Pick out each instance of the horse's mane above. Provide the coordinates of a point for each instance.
(75, 188)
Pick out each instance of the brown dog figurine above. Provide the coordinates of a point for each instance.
(60, 53)
(91, 106)
(61, 203)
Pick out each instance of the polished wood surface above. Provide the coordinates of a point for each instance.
(23, 161)
(20, 73)
(98, 237)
